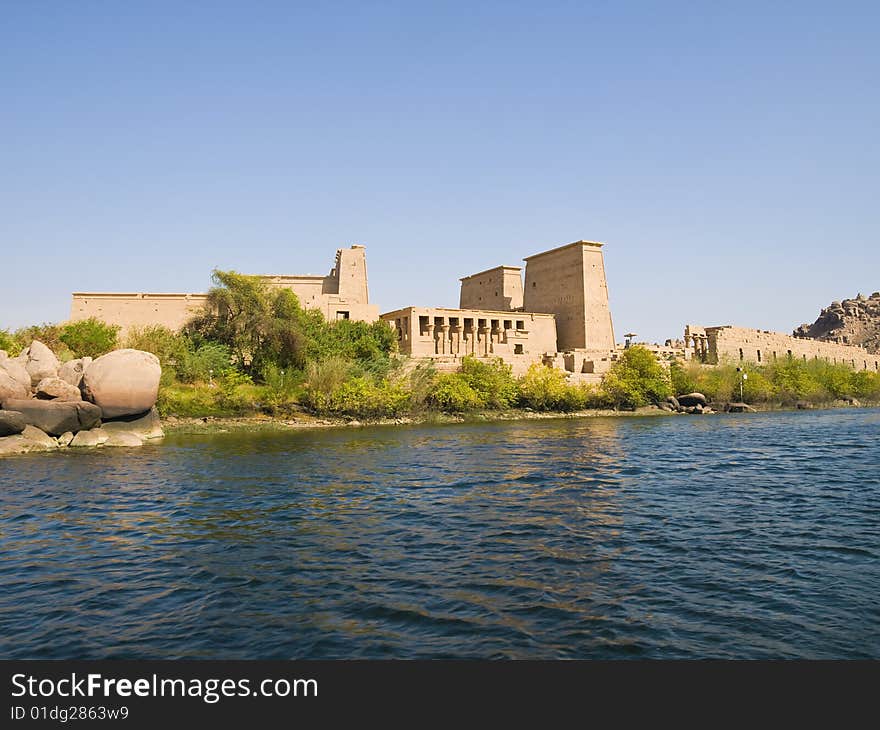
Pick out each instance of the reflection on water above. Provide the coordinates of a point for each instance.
(732, 536)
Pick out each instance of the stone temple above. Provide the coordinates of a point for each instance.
(558, 317)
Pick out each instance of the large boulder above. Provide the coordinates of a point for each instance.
(123, 382)
(41, 362)
(16, 370)
(11, 423)
(11, 389)
(692, 399)
(55, 418)
(72, 371)
(146, 427)
(57, 389)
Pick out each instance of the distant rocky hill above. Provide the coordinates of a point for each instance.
(850, 322)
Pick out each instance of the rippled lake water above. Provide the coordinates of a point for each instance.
(748, 536)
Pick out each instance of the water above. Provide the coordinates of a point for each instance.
(749, 536)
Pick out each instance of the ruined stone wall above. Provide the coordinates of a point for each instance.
(520, 339)
(739, 344)
(498, 289)
(570, 282)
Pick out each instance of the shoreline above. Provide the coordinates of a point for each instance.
(175, 425)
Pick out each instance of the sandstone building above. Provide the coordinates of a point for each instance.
(342, 294)
(560, 318)
(714, 345)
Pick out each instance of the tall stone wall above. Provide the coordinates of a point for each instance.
(738, 344)
(570, 282)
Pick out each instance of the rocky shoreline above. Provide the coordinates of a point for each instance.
(86, 403)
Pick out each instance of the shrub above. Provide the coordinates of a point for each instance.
(453, 393)
(322, 379)
(866, 385)
(9, 343)
(493, 381)
(231, 395)
(548, 389)
(89, 337)
(636, 379)
(420, 383)
(203, 363)
(685, 378)
(366, 397)
(49, 335)
(164, 343)
(279, 391)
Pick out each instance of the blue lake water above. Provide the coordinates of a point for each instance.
(747, 536)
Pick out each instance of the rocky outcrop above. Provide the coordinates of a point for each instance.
(11, 389)
(849, 322)
(30, 439)
(692, 399)
(55, 418)
(39, 361)
(145, 427)
(11, 423)
(72, 371)
(122, 385)
(57, 389)
(17, 371)
(124, 438)
(123, 382)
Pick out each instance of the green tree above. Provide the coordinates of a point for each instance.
(89, 337)
(260, 325)
(636, 379)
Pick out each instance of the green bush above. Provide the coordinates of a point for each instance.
(365, 397)
(280, 388)
(493, 381)
(9, 344)
(636, 379)
(89, 337)
(547, 389)
(866, 385)
(453, 393)
(49, 335)
(164, 343)
(206, 362)
(685, 377)
(322, 379)
(232, 394)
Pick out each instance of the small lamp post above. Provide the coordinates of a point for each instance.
(743, 377)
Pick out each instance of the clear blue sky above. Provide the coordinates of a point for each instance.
(726, 153)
